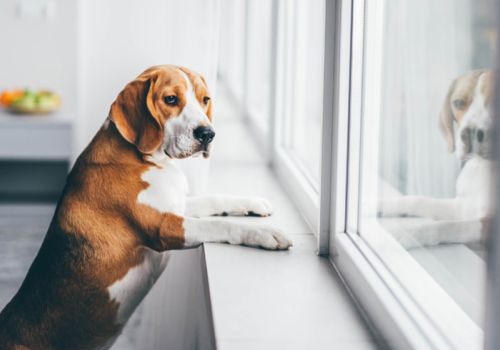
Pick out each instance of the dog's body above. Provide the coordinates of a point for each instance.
(123, 206)
(466, 122)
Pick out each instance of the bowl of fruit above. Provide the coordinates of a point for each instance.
(30, 101)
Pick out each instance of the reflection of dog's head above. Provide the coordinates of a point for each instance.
(466, 118)
(166, 109)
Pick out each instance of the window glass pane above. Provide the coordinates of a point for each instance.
(258, 66)
(231, 60)
(303, 81)
(427, 142)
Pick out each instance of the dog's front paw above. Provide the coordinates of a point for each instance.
(389, 207)
(252, 206)
(267, 238)
(258, 206)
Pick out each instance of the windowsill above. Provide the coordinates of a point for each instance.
(264, 299)
(293, 299)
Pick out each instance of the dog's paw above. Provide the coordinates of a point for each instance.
(252, 206)
(267, 238)
(389, 207)
(259, 206)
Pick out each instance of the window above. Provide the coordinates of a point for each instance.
(415, 69)
(432, 64)
(301, 124)
(359, 103)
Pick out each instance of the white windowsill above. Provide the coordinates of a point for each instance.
(272, 300)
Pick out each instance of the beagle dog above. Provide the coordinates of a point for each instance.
(124, 205)
(466, 123)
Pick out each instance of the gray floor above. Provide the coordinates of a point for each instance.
(20, 238)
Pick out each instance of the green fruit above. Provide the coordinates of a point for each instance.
(45, 102)
(28, 101)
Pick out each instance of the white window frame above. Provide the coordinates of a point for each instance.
(410, 311)
(492, 336)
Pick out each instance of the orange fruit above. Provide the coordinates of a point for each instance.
(9, 96)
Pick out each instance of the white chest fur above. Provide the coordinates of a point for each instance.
(474, 185)
(167, 188)
(166, 192)
(131, 289)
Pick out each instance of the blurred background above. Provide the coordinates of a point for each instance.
(63, 62)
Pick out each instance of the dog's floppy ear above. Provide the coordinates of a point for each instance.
(446, 120)
(135, 117)
(210, 103)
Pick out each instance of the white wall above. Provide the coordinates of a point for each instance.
(121, 38)
(40, 53)
(177, 310)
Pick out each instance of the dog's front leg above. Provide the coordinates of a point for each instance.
(176, 232)
(209, 205)
(427, 207)
(198, 231)
(440, 232)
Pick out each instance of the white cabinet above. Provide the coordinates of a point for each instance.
(35, 155)
(39, 138)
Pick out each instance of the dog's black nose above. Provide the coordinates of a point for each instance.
(204, 134)
(480, 135)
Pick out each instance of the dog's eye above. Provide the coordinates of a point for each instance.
(206, 99)
(171, 100)
(459, 103)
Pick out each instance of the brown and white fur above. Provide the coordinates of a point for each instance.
(123, 206)
(466, 123)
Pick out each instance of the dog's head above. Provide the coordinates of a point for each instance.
(466, 117)
(166, 109)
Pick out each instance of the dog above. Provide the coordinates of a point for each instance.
(123, 207)
(466, 122)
